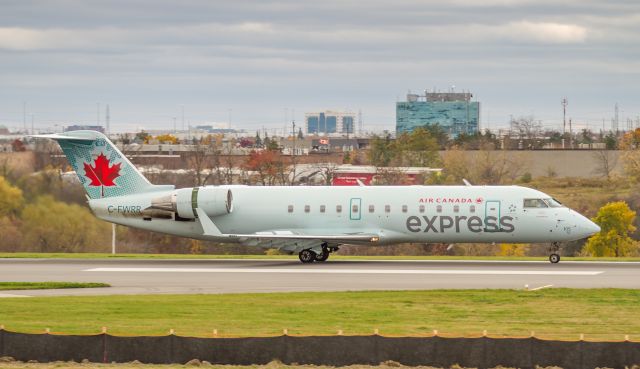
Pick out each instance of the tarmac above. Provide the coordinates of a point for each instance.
(135, 276)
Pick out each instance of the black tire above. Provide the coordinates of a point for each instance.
(307, 256)
(322, 256)
(554, 258)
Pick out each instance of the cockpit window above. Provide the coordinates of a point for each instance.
(535, 203)
(553, 203)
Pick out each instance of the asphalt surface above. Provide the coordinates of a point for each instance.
(233, 276)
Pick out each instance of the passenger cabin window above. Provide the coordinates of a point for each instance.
(472, 208)
(535, 203)
(322, 208)
(439, 208)
(404, 208)
(421, 208)
(456, 208)
(387, 208)
(307, 208)
(290, 208)
(354, 209)
(338, 208)
(372, 208)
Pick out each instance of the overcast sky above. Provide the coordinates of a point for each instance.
(257, 60)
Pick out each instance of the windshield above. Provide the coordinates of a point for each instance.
(535, 203)
(553, 203)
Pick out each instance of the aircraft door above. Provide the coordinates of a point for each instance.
(492, 216)
(355, 209)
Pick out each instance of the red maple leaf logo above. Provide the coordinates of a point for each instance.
(101, 174)
(479, 200)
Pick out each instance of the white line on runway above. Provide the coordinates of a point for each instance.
(347, 271)
(8, 295)
(541, 287)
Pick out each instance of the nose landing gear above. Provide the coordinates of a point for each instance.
(554, 253)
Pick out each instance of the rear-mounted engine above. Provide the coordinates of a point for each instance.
(183, 203)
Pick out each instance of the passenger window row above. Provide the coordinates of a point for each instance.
(387, 208)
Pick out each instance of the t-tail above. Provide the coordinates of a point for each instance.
(101, 168)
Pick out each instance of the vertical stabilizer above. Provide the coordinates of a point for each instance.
(101, 168)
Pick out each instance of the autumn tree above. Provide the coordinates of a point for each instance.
(616, 222)
(416, 149)
(380, 151)
(263, 163)
(143, 137)
(11, 199)
(606, 161)
(526, 127)
(486, 166)
(513, 249)
(167, 139)
(53, 226)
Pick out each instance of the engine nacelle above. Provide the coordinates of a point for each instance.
(213, 200)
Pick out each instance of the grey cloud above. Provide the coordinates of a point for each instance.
(258, 57)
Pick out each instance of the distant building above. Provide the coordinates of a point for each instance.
(77, 127)
(214, 129)
(4, 130)
(329, 123)
(453, 111)
(349, 175)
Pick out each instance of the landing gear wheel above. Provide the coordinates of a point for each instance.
(554, 258)
(323, 256)
(307, 256)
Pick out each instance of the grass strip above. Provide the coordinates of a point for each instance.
(599, 314)
(9, 255)
(7, 286)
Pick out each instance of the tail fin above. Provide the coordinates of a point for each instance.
(102, 169)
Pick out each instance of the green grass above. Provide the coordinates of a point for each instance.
(6, 286)
(293, 257)
(600, 314)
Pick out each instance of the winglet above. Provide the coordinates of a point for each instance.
(208, 227)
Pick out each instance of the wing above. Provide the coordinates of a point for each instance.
(281, 238)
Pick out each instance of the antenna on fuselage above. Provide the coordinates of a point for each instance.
(466, 183)
(360, 183)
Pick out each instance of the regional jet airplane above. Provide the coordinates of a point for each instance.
(314, 221)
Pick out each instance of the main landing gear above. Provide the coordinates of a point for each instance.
(309, 256)
(554, 253)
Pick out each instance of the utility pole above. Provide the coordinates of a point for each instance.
(293, 132)
(570, 135)
(564, 103)
(113, 238)
(98, 113)
(615, 120)
(182, 117)
(108, 121)
(24, 116)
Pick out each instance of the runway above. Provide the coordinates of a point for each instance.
(136, 276)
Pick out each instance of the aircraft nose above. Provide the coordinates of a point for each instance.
(589, 227)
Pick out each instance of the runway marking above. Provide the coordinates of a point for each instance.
(347, 271)
(541, 287)
(8, 295)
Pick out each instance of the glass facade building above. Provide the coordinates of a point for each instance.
(454, 112)
(329, 123)
(347, 125)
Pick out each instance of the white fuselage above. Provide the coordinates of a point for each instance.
(443, 214)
